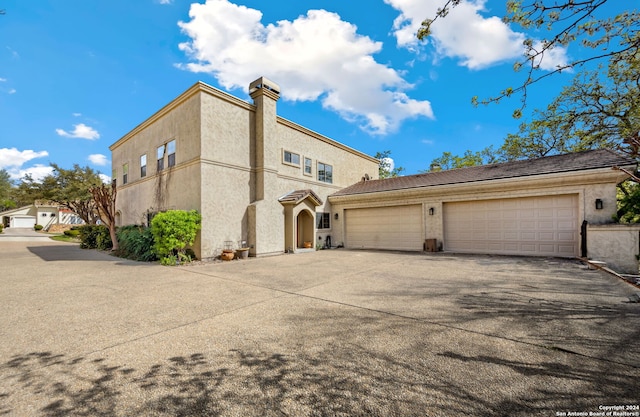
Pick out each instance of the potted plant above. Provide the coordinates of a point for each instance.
(227, 253)
(243, 250)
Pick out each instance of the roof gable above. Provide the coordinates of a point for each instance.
(579, 161)
(296, 197)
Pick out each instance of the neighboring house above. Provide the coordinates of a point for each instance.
(253, 175)
(257, 177)
(44, 214)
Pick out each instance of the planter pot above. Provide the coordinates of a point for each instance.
(307, 245)
(227, 255)
(242, 253)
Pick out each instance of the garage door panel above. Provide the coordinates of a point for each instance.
(395, 228)
(545, 226)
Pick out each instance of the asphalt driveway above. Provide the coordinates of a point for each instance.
(330, 333)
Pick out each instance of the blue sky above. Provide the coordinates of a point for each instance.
(77, 75)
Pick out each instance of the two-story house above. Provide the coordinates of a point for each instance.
(253, 175)
(259, 178)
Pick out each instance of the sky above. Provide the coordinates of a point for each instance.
(77, 75)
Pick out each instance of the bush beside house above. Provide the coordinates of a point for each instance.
(136, 243)
(173, 231)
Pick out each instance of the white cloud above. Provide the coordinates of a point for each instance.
(80, 131)
(3, 80)
(99, 159)
(13, 91)
(314, 57)
(465, 34)
(390, 163)
(37, 172)
(165, 1)
(105, 178)
(12, 160)
(76, 114)
(12, 157)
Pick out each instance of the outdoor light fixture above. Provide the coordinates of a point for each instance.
(335, 216)
(431, 211)
(598, 204)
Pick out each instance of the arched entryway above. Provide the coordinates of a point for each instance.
(304, 229)
(299, 219)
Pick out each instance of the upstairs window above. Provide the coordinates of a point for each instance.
(125, 173)
(171, 153)
(160, 155)
(325, 173)
(291, 158)
(323, 220)
(308, 169)
(143, 166)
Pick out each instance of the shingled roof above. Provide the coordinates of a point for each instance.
(295, 197)
(579, 161)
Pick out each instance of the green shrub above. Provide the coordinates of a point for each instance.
(93, 236)
(38, 227)
(1, 227)
(136, 242)
(72, 233)
(173, 231)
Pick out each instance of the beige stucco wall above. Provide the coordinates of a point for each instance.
(349, 166)
(176, 187)
(586, 185)
(616, 244)
(229, 167)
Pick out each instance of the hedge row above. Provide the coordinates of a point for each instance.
(167, 239)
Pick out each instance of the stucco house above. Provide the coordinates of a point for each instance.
(42, 213)
(254, 176)
(257, 177)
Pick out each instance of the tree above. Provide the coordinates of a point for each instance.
(104, 197)
(468, 159)
(27, 191)
(6, 191)
(593, 112)
(609, 38)
(71, 188)
(384, 168)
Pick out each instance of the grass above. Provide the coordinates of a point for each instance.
(64, 238)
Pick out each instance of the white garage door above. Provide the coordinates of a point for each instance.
(546, 226)
(395, 228)
(22, 221)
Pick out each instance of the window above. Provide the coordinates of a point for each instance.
(171, 153)
(323, 220)
(160, 158)
(291, 158)
(125, 173)
(325, 173)
(143, 166)
(307, 166)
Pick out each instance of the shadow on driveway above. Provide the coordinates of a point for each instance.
(69, 252)
(344, 381)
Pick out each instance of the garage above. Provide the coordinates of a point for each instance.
(539, 226)
(22, 221)
(393, 228)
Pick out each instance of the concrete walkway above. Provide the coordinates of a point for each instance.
(22, 234)
(330, 333)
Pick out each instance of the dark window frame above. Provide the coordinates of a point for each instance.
(323, 220)
(288, 158)
(324, 174)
